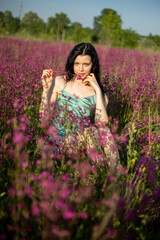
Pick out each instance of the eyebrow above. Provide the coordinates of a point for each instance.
(84, 62)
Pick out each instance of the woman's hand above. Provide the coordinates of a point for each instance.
(91, 80)
(47, 78)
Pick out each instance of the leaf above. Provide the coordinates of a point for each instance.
(2, 194)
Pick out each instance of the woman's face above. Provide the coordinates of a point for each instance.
(82, 66)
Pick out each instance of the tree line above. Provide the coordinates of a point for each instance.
(107, 29)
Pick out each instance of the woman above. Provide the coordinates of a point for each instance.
(80, 104)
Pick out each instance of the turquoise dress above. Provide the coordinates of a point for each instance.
(73, 114)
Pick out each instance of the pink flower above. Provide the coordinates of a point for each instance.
(60, 204)
(96, 203)
(64, 193)
(18, 138)
(35, 209)
(111, 178)
(94, 169)
(109, 203)
(45, 206)
(94, 155)
(83, 215)
(121, 170)
(24, 165)
(48, 185)
(65, 177)
(124, 139)
(84, 169)
(3, 237)
(28, 190)
(50, 130)
(11, 192)
(59, 232)
(69, 214)
(23, 127)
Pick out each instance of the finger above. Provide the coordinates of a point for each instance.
(51, 71)
(46, 75)
(47, 72)
(86, 81)
(92, 75)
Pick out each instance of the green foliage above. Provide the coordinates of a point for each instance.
(32, 23)
(155, 39)
(107, 30)
(2, 26)
(77, 33)
(147, 44)
(57, 25)
(130, 38)
(108, 25)
(8, 23)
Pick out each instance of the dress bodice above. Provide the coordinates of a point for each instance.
(72, 113)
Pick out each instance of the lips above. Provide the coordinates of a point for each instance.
(80, 74)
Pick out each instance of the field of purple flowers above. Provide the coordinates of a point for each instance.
(45, 194)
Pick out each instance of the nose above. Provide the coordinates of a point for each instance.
(81, 68)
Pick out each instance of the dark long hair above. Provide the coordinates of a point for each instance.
(83, 49)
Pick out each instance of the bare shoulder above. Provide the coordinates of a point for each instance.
(59, 82)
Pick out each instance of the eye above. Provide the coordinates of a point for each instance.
(86, 64)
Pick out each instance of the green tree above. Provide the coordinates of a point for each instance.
(7, 18)
(14, 25)
(108, 26)
(76, 33)
(97, 27)
(130, 38)
(32, 23)
(2, 25)
(88, 32)
(58, 24)
(155, 39)
(147, 43)
(8, 24)
(51, 25)
(51, 30)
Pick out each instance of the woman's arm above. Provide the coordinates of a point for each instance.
(48, 95)
(101, 102)
(43, 110)
(47, 103)
(101, 107)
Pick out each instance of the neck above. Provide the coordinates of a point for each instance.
(79, 81)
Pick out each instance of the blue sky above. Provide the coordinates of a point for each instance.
(143, 16)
